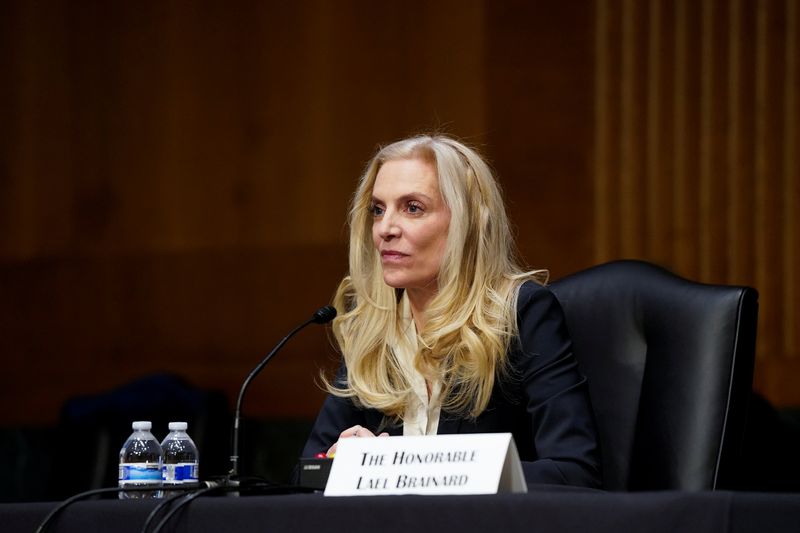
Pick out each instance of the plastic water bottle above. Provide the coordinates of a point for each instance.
(140, 461)
(181, 459)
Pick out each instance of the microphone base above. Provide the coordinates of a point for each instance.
(237, 485)
(314, 472)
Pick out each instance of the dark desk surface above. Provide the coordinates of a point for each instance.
(542, 510)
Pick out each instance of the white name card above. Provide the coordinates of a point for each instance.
(482, 463)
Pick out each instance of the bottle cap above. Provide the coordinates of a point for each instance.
(178, 426)
(142, 424)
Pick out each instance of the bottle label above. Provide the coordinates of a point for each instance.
(177, 473)
(139, 473)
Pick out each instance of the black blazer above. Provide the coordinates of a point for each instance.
(544, 404)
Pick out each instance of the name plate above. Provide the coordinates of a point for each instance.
(481, 463)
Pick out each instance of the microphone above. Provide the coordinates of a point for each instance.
(323, 315)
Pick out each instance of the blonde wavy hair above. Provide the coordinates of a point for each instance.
(469, 323)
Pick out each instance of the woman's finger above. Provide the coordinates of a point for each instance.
(355, 431)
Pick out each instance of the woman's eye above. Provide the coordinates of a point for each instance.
(414, 208)
(376, 210)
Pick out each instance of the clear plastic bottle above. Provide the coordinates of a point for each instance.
(140, 462)
(181, 460)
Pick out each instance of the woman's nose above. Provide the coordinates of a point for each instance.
(388, 227)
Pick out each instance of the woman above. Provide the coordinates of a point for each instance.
(441, 331)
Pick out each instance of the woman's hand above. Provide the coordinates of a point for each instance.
(355, 431)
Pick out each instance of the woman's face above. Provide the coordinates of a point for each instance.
(410, 223)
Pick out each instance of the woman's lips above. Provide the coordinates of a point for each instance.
(389, 256)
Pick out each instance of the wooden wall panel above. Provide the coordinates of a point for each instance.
(145, 119)
(696, 150)
(790, 187)
(539, 123)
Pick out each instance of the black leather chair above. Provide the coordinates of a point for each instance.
(670, 369)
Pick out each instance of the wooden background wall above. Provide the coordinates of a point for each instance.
(696, 153)
(174, 176)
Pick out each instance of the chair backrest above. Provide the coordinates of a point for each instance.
(670, 369)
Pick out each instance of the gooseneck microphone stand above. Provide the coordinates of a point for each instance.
(323, 315)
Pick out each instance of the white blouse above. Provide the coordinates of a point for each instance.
(422, 414)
